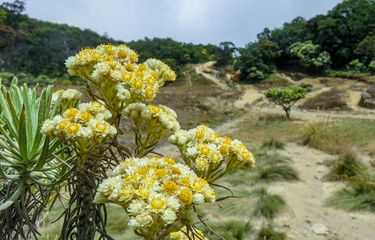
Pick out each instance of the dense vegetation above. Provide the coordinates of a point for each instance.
(39, 48)
(344, 38)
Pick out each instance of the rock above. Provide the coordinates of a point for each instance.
(368, 97)
(319, 229)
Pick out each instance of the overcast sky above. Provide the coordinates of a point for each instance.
(198, 21)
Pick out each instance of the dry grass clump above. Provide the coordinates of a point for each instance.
(326, 136)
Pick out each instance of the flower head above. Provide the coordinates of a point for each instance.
(204, 150)
(154, 188)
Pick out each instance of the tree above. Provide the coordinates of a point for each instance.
(15, 10)
(366, 48)
(371, 66)
(310, 56)
(225, 53)
(256, 60)
(286, 97)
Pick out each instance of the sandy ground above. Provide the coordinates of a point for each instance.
(306, 197)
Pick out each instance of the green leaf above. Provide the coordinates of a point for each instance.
(13, 198)
(22, 138)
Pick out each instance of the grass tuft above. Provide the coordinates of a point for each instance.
(230, 230)
(345, 168)
(325, 136)
(267, 205)
(268, 233)
(273, 144)
(275, 173)
(360, 195)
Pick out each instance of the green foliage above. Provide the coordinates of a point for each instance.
(175, 54)
(286, 97)
(357, 66)
(29, 170)
(349, 75)
(224, 55)
(273, 144)
(268, 233)
(256, 60)
(310, 56)
(371, 66)
(345, 33)
(366, 47)
(25, 78)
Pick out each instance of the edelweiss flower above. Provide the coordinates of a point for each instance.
(156, 188)
(85, 125)
(117, 76)
(210, 154)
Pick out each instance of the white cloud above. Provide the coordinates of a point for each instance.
(200, 21)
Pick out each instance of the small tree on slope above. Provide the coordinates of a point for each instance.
(286, 97)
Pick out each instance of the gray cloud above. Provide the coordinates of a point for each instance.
(198, 21)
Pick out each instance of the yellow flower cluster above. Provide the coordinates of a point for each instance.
(157, 118)
(154, 192)
(69, 97)
(210, 154)
(117, 76)
(183, 235)
(85, 126)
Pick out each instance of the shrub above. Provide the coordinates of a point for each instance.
(310, 56)
(256, 61)
(286, 97)
(357, 66)
(371, 66)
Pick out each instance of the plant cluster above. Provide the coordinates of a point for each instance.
(79, 146)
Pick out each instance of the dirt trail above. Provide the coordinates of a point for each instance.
(204, 68)
(306, 201)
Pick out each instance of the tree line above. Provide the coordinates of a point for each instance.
(342, 39)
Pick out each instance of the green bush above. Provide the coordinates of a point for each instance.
(256, 60)
(310, 55)
(371, 66)
(357, 66)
